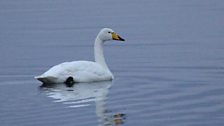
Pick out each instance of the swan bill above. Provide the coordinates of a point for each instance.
(115, 36)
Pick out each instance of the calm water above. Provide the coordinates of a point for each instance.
(169, 72)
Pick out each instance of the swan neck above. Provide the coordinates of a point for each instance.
(98, 52)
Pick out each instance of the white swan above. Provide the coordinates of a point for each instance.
(83, 71)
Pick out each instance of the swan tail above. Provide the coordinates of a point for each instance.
(46, 79)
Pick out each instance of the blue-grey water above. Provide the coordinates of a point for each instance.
(169, 72)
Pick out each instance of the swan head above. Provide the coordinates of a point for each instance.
(107, 34)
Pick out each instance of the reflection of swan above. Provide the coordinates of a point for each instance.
(81, 95)
(83, 71)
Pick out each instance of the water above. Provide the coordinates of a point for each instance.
(169, 72)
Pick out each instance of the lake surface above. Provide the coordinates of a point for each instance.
(169, 72)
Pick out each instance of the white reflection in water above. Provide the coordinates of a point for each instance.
(81, 95)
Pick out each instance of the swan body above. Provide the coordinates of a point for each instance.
(81, 71)
(84, 71)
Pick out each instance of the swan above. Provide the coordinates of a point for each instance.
(83, 71)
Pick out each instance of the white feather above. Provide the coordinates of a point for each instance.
(83, 71)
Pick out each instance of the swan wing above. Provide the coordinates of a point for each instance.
(81, 71)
